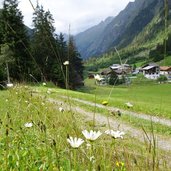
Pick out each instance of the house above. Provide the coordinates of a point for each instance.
(115, 67)
(113, 70)
(106, 72)
(117, 72)
(166, 70)
(123, 68)
(136, 71)
(151, 71)
(127, 68)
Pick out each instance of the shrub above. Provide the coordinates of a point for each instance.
(113, 80)
(162, 78)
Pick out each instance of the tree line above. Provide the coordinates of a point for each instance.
(38, 56)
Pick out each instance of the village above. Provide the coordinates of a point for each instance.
(151, 71)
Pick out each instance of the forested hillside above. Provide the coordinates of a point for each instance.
(38, 54)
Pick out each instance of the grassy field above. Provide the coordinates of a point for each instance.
(136, 122)
(153, 99)
(43, 145)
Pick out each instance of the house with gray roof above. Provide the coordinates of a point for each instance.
(151, 71)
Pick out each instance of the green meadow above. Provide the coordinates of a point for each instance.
(149, 98)
(34, 131)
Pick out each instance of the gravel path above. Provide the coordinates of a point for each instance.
(162, 142)
(163, 121)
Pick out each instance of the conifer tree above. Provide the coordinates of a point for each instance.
(76, 66)
(0, 26)
(51, 51)
(59, 69)
(48, 48)
(45, 47)
(15, 36)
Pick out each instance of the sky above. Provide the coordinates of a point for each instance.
(79, 14)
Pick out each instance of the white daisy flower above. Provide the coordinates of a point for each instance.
(129, 105)
(28, 125)
(92, 159)
(9, 85)
(75, 142)
(44, 84)
(49, 91)
(92, 135)
(66, 63)
(61, 109)
(115, 134)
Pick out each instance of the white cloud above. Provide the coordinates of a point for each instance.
(80, 14)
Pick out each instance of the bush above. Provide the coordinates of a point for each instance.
(113, 80)
(162, 78)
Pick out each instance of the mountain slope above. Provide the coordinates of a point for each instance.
(140, 21)
(121, 30)
(87, 41)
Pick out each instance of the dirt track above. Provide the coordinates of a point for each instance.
(162, 142)
(155, 119)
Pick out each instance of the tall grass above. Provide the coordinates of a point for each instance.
(44, 146)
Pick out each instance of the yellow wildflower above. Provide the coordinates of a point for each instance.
(104, 102)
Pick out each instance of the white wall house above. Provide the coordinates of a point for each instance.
(151, 71)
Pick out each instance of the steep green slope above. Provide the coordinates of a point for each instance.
(142, 19)
(121, 31)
